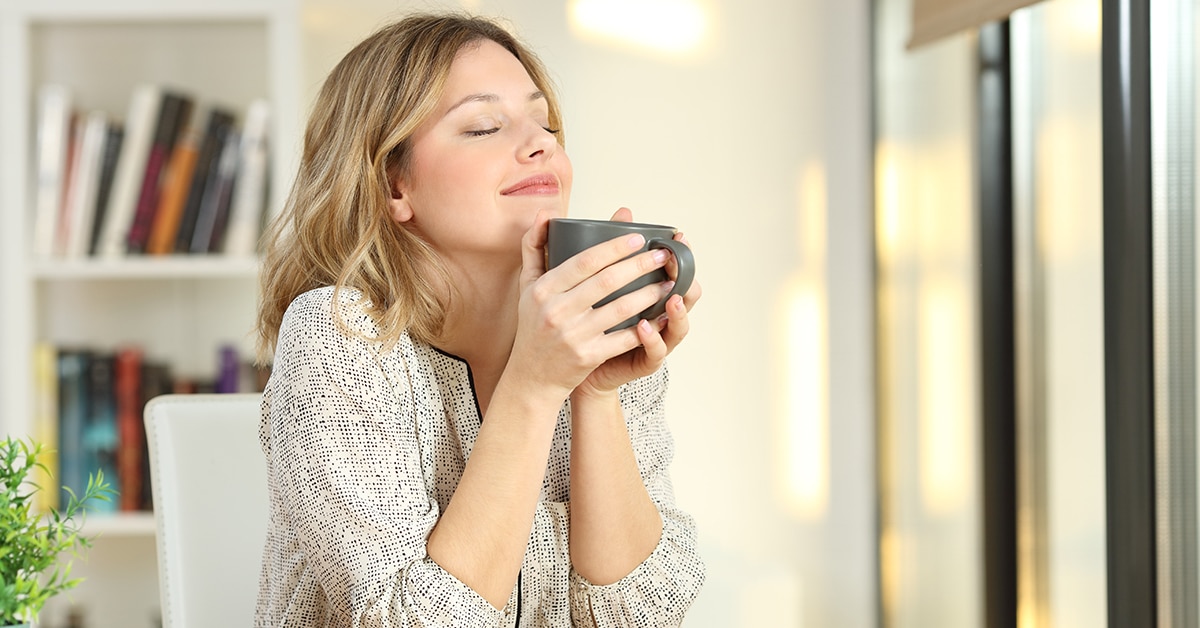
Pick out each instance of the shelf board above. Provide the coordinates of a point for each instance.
(121, 524)
(164, 267)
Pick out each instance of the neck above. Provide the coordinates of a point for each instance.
(482, 323)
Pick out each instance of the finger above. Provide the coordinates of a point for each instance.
(617, 278)
(533, 248)
(653, 344)
(592, 266)
(676, 321)
(627, 306)
(623, 214)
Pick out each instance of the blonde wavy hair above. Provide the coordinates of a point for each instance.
(336, 228)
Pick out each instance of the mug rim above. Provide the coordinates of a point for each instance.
(600, 222)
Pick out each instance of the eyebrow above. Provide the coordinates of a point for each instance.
(492, 98)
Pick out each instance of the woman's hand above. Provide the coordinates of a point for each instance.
(561, 338)
(657, 339)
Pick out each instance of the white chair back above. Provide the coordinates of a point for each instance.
(210, 505)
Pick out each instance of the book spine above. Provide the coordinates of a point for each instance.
(214, 210)
(100, 430)
(216, 129)
(156, 380)
(108, 166)
(173, 115)
(130, 170)
(45, 424)
(250, 193)
(85, 185)
(72, 416)
(132, 437)
(53, 131)
(69, 191)
(176, 183)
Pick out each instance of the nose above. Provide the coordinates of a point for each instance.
(539, 143)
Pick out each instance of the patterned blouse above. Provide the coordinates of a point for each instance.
(364, 449)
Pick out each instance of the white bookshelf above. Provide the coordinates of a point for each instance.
(178, 308)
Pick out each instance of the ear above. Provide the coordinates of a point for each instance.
(398, 203)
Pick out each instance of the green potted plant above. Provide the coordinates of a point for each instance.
(32, 542)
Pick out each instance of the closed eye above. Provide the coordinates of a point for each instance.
(482, 132)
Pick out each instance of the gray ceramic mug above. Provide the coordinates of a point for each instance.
(569, 236)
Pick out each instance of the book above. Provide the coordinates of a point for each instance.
(131, 432)
(45, 424)
(174, 113)
(228, 370)
(249, 200)
(156, 380)
(108, 166)
(217, 126)
(100, 427)
(140, 125)
(211, 219)
(76, 228)
(53, 143)
(214, 205)
(72, 416)
(177, 180)
(62, 222)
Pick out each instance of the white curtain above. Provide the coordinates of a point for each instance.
(934, 19)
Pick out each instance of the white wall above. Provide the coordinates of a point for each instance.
(758, 147)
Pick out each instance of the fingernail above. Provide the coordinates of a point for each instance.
(660, 255)
(636, 241)
(666, 286)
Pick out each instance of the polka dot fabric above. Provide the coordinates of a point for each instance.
(364, 448)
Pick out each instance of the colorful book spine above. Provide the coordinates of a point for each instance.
(45, 424)
(217, 127)
(72, 416)
(100, 439)
(174, 115)
(132, 435)
(140, 125)
(176, 182)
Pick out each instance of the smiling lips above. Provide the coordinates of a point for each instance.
(537, 185)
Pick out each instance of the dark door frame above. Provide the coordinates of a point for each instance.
(1128, 315)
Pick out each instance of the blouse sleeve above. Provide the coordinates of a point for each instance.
(658, 591)
(345, 463)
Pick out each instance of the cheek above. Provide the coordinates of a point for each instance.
(566, 173)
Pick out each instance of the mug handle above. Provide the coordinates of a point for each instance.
(686, 271)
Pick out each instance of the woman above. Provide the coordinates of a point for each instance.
(451, 437)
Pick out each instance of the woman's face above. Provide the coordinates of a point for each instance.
(485, 161)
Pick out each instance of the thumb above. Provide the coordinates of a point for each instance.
(622, 215)
(533, 249)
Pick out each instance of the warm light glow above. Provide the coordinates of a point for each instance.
(945, 388)
(805, 329)
(1076, 23)
(806, 408)
(673, 26)
(887, 202)
(890, 573)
